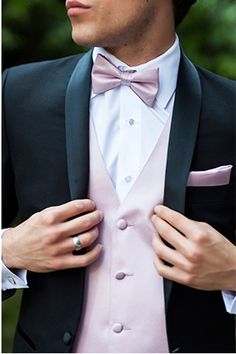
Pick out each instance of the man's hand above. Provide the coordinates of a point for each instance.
(43, 243)
(201, 257)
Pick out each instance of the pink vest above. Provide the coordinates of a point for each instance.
(124, 298)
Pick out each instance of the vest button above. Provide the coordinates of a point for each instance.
(117, 328)
(67, 338)
(120, 275)
(122, 224)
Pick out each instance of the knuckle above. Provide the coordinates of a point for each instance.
(85, 240)
(191, 268)
(188, 279)
(89, 237)
(95, 232)
(159, 251)
(193, 255)
(201, 237)
(51, 235)
(87, 223)
(48, 218)
(202, 233)
(35, 216)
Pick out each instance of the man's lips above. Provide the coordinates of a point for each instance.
(75, 8)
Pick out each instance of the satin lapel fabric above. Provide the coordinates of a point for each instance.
(183, 135)
(77, 126)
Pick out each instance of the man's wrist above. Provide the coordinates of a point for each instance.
(6, 247)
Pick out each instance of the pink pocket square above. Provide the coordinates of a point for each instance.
(218, 176)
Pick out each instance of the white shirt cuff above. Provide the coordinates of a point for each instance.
(230, 301)
(17, 280)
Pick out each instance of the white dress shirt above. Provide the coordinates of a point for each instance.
(128, 137)
(127, 129)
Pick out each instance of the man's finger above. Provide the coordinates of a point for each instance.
(171, 235)
(66, 211)
(81, 224)
(86, 239)
(184, 225)
(169, 255)
(79, 261)
(171, 273)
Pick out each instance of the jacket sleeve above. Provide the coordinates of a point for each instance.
(9, 200)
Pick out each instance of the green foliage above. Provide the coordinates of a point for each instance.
(209, 36)
(35, 30)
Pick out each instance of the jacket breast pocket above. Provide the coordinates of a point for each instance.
(210, 196)
(218, 195)
(213, 205)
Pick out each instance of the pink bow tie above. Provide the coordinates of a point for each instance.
(106, 76)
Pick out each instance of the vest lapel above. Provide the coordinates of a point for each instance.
(182, 140)
(77, 127)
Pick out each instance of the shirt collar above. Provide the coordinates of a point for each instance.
(168, 64)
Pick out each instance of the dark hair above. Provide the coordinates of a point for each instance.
(181, 8)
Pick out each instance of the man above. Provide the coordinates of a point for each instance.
(90, 165)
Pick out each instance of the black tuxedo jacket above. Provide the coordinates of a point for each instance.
(46, 163)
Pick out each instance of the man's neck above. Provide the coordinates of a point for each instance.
(137, 55)
(148, 44)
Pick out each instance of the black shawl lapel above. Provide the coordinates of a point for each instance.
(182, 140)
(77, 126)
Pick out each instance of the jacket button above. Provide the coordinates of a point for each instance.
(67, 338)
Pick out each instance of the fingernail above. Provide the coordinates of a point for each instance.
(153, 217)
(101, 214)
(100, 246)
(93, 203)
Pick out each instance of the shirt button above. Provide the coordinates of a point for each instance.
(120, 275)
(117, 328)
(67, 338)
(122, 224)
(131, 122)
(11, 280)
(128, 179)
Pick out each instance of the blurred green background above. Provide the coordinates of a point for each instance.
(39, 29)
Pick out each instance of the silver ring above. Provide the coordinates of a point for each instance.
(77, 243)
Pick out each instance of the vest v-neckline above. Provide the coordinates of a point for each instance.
(106, 181)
